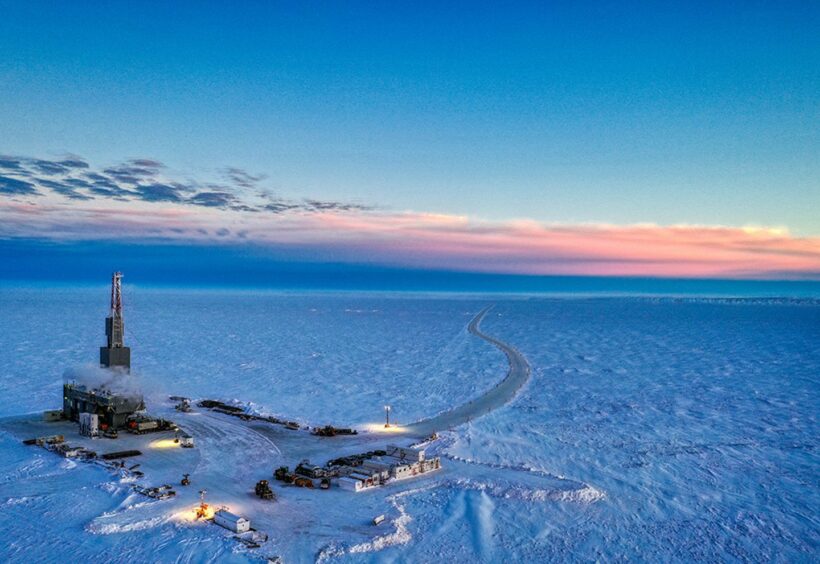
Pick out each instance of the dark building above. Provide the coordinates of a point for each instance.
(113, 407)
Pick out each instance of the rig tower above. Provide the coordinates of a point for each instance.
(115, 354)
(112, 405)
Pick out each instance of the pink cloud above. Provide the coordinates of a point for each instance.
(439, 241)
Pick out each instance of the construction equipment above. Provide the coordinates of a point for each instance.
(303, 482)
(184, 405)
(263, 490)
(161, 492)
(186, 480)
(280, 473)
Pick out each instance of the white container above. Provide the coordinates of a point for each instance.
(232, 522)
(350, 484)
(407, 455)
(377, 469)
(89, 424)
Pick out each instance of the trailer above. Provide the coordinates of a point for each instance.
(377, 468)
(405, 454)
(231, 521)
(220, 406)
(140, 424)
(120, 454)
(305, 468)
(366, 478)
(351, 484)
(185, 440)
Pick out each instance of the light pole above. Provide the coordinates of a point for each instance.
(387, 416)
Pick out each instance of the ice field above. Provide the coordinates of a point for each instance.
(650, 430)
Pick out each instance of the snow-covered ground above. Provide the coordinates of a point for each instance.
(293, 354)
(654, 430)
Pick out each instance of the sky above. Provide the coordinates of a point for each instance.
(619, 139)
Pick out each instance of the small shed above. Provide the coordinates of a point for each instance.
(232, 522)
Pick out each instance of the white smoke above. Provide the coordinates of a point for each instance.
(95, 377)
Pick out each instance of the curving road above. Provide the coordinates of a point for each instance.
(503, 392)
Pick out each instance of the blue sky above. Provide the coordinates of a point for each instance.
(601, 138)
(616, 112)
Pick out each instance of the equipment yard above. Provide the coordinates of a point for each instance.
(210, 460)
(190, 462)
(230, 458)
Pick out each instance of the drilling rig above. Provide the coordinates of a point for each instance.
(108, 401)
